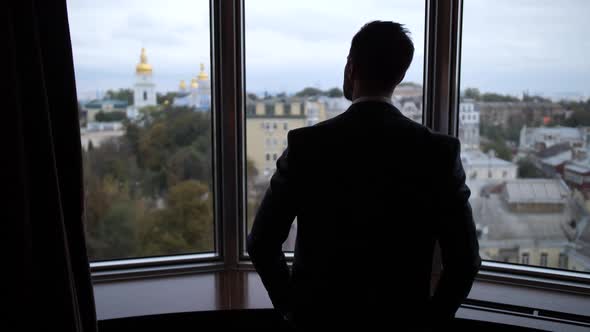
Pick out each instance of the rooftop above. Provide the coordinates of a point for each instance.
(536, 191)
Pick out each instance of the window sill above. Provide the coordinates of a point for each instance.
(155, 266)
(537, 277)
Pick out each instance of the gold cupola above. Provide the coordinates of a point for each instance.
(182, 85)
(203, 75)
(194, 83)
(143, 67)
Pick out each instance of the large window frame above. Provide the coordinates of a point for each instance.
(442, 64)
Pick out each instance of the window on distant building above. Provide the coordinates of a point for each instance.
(563, 261)
(543, 261)
(525, 258)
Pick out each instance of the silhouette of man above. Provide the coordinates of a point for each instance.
(372, 192)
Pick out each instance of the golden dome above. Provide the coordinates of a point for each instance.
(203, 75)
(194, 83)
(182, 85)
(143, 67)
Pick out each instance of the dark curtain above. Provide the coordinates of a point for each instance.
(49, 287)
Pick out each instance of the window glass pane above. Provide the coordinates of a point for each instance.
(295, 57)
(142, 76)
(523, 124)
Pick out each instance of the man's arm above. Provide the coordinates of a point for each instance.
(458, 243)
(271, 228)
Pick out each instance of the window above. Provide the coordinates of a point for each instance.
(525, 78)
(563, 260)
(543, 260)
(274, 156)
(147, 158)
(268, 157)
(288, 63)
(525, 258)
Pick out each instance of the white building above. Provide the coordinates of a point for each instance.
(486, 166)
(144, 89)
(541, 138)
(469, 124)
(335, 105)
(198, 95)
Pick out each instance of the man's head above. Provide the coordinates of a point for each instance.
(380, 54)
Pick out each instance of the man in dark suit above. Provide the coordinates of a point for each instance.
(372, 192)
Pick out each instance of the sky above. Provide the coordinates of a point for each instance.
(508, 46)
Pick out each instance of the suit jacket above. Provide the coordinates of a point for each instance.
(372, 192)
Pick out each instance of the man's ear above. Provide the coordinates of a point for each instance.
(350, 70)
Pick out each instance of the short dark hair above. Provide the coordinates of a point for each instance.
(382, 52)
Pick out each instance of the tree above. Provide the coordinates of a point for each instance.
(495, 97)
(527, 169)
(500, 148)
(161, 99)
(252, 96)
(184, 225)
(121, 94)
(578, 118)
(113, 116)
(334, 92)
(472, 93)
(309, 92)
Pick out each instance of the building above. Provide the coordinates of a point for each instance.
(335, 105)
(198, 94)
(528, 221)
(540, 138)
(105, 106)
(486, 166)
(469, 124)
(100, 132)
(577, 175)
(505, 113)
(410, 106)
(144, 89)
(269, 121)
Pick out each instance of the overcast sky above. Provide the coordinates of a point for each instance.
(508, 45)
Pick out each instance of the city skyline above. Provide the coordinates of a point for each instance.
(532, 58)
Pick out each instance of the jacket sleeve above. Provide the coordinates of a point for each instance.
(271, 228)
(457, 239)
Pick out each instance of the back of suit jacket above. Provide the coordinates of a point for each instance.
(372, 191)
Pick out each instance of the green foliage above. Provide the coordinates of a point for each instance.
(495, 97)
(500, 148)
(472, 93)
(167, 98)
(147, 192)
(315, 92)
(334, 92)
(578, 118)
(110, 116)
(526, 169)
(184, 225)
(309, 92)
(121, 94)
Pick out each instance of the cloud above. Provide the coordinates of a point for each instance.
(508, 46)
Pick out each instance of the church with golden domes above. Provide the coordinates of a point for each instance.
(144, 89)
(198, 94)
